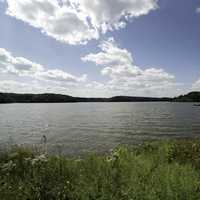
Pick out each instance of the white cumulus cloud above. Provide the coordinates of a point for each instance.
(124, 75)
(196, 85)
(198, 10)
(18, 65)
(23, 67)
(78, 21)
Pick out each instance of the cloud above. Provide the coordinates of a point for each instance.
(22, 67)
(16, 86)
(198, 10)
(124, 75)
(61, 76)
(196, 85)
(18, 74)
(114, 14)
(78, 21)
(18, 65)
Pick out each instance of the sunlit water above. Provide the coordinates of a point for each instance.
(86, 127)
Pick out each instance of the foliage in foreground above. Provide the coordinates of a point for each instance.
(165, 170)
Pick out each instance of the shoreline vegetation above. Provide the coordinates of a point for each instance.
(59, 98)
(165, 170)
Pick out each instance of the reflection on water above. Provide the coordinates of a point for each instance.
(96, 126)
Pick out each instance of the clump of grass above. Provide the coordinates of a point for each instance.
(159, 170)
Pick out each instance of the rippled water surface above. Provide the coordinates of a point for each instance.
(84, 127)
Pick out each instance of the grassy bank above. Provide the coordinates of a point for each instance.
(162, 170)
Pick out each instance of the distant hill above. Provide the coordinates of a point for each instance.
(35, 98)
(58, 98)
(136, 99)
(190, 97)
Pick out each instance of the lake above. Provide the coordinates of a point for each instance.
(86, 127)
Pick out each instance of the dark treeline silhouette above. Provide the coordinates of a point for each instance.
(190, 97)
(58, 98)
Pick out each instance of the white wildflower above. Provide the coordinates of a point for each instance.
(40, 159)
(8, 166)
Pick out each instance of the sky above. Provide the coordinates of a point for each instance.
(100, 48)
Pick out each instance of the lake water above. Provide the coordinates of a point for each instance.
(85, 127)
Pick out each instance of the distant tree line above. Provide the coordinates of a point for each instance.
(59, 98)
(190, 97)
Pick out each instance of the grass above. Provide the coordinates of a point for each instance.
(160, 170)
